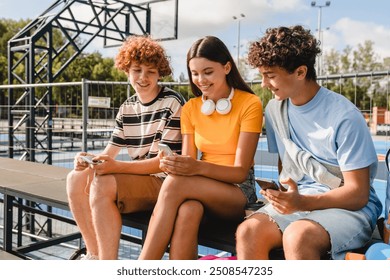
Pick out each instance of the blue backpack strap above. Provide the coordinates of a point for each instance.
(387, 201)
(387, 205)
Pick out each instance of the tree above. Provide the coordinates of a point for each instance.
(364, 58)
(332, 63)
(365, 92)
(386, 63)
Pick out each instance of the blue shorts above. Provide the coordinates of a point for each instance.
(348, 230)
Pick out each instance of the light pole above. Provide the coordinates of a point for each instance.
(238, 37)
(314, 4)
(321, 58)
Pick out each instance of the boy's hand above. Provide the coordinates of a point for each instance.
(79, 164)
(285, 202)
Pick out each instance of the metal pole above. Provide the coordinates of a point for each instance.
(319, 39)
(11, 102)
(31, 122)
(314, 4)
(84, 89)
(238, 37)
(238, 45)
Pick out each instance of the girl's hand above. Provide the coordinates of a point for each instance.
(179, 165)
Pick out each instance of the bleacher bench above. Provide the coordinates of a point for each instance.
(8, 256)
(46, 184)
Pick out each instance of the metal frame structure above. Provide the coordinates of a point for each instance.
(35, 50)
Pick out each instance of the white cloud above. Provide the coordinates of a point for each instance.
(198, 18)
(352, 32)
(201, 17)
(204, 17)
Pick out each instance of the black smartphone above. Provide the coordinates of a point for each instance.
(266, 184)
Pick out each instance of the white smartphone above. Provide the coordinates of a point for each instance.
(89, 160)
(165, 149)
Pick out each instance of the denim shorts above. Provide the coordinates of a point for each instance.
(348, 230)
(248, 187)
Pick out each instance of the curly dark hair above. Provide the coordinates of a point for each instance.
(286, 47)
(143, 50)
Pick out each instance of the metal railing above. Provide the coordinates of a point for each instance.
(77, 126)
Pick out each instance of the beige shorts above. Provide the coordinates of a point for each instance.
(137, 192)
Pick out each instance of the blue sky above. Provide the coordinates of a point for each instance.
(344, 22)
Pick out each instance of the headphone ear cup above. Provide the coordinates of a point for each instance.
(223, 106)
(208, 107)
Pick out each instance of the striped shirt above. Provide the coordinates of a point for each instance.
(140, 127)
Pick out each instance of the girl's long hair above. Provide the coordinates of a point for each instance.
(214, 49)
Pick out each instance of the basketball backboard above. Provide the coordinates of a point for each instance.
(159, 18)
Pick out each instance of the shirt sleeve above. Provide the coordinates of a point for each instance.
(171, 133)
(270, 133)
(187, 126)
(252, 120)
(355, 148)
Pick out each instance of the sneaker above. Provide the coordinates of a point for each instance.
(88, 257)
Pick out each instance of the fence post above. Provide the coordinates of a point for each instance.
(84, 92)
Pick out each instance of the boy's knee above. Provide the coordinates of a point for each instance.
(242, 229)
(247, 230)
(103, 188)
(71, 179)
(301, 233)
(76, 182)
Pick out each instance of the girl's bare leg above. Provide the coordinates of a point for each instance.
(221, 199)
(184, 241)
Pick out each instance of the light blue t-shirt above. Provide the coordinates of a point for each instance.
(334, 131)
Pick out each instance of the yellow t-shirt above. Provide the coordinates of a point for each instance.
(216, 136)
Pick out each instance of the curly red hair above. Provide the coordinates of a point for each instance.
(143, 50)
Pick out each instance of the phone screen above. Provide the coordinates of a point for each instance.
(268, 184)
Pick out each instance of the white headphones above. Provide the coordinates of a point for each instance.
(223, 106)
